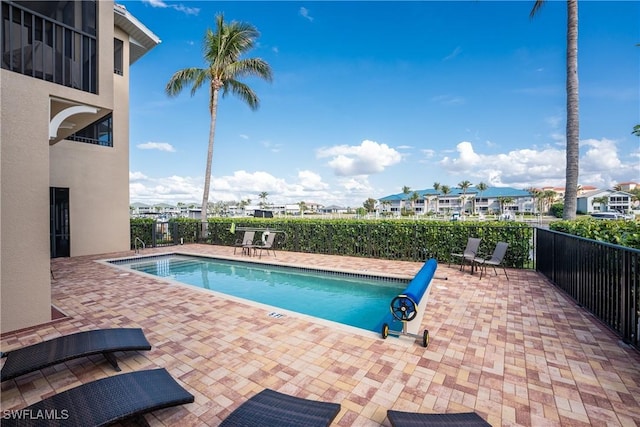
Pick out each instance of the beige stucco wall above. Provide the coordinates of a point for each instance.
(24, 200)
(97, 178)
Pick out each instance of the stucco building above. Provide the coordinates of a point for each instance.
(64, 142)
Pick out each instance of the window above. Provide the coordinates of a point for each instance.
(117, 56)
(98, 133)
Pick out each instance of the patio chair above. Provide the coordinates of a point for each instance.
(469, 253)
(245, 242)
(414, 419)
(495, 261)
(51, 352)
(105, 401)
(270, 408)
(266, 244)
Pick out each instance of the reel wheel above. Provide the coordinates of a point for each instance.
(403, 308)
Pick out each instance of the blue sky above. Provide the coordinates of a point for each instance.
(368, 97)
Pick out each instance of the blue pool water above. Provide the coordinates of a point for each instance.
(345, 298)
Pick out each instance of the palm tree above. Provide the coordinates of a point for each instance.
(405, 190)
(602, 201)
(464, 186)
(263, 199)
(223, 49)
(548, 197)
(445, 189)
(481, 187)
(437, 186)
(414, 198)
(504, 201)
(535, 195)
(303, 207)
(573, 117)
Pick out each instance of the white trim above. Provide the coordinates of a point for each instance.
(56, 122)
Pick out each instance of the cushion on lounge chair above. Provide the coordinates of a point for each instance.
(273, 409)
(51, 352)
(414, 419)
(105, 401)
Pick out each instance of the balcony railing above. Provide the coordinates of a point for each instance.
(601, 277)
(40, 47)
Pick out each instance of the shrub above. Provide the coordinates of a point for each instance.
(618, 232)
(387, 239)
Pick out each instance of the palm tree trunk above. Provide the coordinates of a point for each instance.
(213, 108)
(573, 121)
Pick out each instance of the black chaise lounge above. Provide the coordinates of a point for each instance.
(414, 419)
(51, 352)
(105, 401)
(273, 409)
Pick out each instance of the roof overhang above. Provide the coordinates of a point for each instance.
(141, 39)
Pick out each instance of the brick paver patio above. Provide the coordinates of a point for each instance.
(517, 352)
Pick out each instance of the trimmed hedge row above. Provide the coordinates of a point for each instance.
(386, 239)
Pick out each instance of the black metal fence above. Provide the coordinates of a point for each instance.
(601, 277)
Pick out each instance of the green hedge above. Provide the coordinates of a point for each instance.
(386, 239)
(619, 232)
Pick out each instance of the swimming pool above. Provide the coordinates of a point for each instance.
(351, 299)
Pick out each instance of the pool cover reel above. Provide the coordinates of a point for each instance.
(407, 305)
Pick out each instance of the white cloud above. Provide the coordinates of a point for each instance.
(241, 185)
(160, 146)
(179, 7)
(135, 176)
(274, 148)
(600, 165)
(311, 180)
(304, 12)
(453, 54)
(367, 158)
(449, 99)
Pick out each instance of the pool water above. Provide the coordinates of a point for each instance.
(349, 299)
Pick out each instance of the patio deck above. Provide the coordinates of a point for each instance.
(517, 352)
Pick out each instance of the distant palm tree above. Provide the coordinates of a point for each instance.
(405, 190)
(223, 49)
(481, 187)
(602, 201)
(464, 186)
(548, 197)
(504, 201)
(573, 116)
(263, 199)
(535, 195)
(437, 186)
(414, 198)
(445, 189)
(303, 207)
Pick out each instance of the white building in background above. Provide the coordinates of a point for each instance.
(617, 201)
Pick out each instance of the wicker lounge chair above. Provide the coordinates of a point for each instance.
(51, 352)
(273, 409)
(105, 401)
(413, 419)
